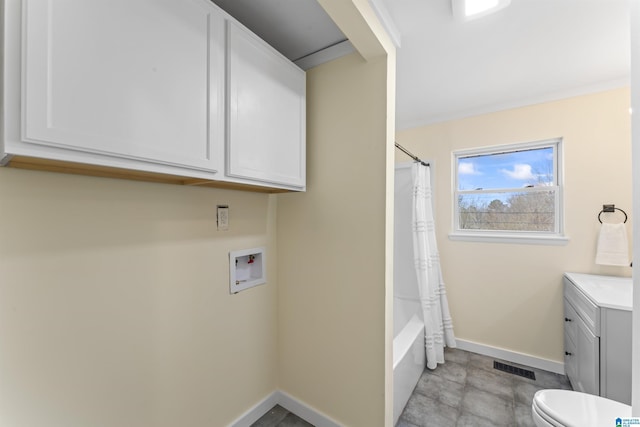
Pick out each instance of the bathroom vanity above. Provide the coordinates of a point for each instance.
(597, 334)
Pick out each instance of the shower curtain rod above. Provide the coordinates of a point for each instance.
(408, 153)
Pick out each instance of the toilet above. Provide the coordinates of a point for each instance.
(565, 408)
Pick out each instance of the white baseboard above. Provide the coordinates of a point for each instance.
(258, 410)
(319, 419)
(511, 356)
(289, 403)
(304, 411)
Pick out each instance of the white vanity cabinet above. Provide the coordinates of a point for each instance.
(597, 334)
(170, 87)
(267, 109)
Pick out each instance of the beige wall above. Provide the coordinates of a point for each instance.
(114, 304)
(331, 249)
(509, 295)
(335, 240)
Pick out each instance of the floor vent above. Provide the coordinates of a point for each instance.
(514, 370)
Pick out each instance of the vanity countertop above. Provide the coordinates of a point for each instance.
(605, 291)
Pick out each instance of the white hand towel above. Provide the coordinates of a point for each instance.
(613, 248)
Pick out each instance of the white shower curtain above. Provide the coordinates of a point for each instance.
(433, 297)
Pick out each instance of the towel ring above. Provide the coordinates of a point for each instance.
(610, 208)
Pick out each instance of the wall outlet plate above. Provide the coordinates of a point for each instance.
(222, 218)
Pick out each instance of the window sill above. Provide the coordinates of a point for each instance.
(551, 240)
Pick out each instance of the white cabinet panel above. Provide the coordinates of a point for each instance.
(615, 355)
(266, 108)
(137, 79)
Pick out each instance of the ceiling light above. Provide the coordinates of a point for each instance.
(465, 10)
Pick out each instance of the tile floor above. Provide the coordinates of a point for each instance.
(280, 417)
(466, 391)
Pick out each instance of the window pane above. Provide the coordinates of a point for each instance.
(515, 169)
(514, 211)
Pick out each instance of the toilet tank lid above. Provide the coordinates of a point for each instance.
(573, 408)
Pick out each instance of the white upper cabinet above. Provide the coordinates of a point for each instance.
(139, 79)
(267, 110)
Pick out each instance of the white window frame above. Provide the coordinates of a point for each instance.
(557, 237)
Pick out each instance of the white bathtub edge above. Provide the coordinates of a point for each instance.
(511, 356)
(409, 362)
(405, 339)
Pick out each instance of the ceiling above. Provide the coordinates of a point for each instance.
(532, 51)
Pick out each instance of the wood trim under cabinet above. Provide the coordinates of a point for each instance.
(33, 163)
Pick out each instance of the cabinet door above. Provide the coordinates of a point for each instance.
(570, 338)
(588, 360)
(570, 360)
(267, 104)
(138, 79)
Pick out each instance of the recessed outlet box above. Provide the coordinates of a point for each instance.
(247, 268)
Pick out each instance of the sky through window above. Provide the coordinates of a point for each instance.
(515, 169)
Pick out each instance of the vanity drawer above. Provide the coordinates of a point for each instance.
(587, 310)
(570, 322)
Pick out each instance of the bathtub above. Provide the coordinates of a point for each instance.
(408, 363)
(408, 330)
